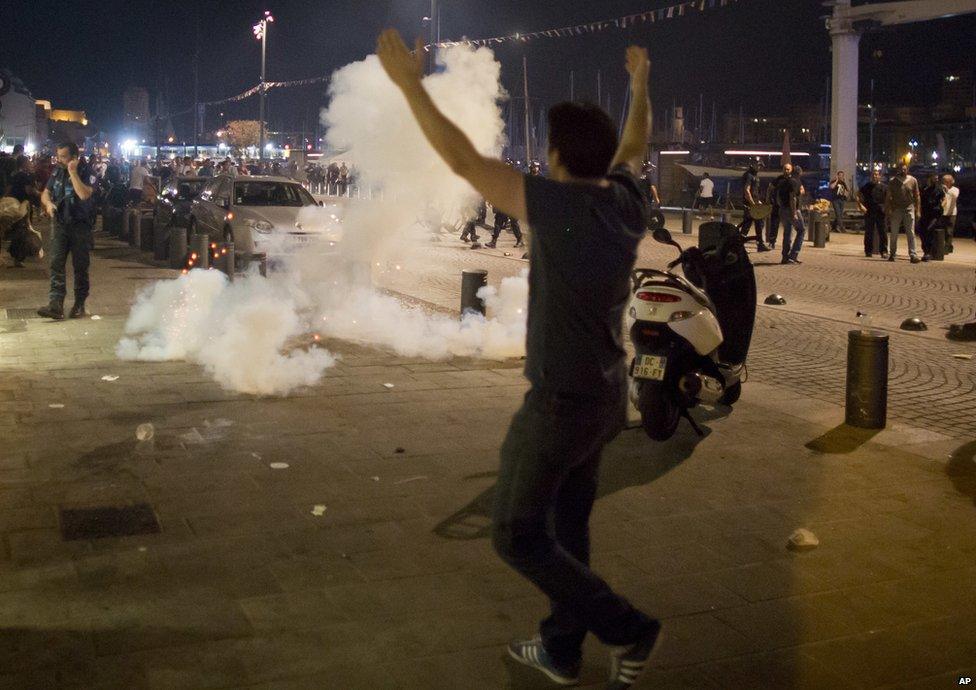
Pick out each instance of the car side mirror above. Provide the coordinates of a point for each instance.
(320, 203)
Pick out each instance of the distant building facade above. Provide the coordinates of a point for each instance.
(18, 116)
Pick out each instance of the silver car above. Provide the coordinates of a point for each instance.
(265, 214)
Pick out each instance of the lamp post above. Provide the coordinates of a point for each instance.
(261, 33)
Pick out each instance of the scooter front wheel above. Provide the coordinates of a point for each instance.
(659, 412)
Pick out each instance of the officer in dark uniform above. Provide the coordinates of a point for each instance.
(68, 200)
(501, 219)
(470, 233)
(870, 198)
(750, 197)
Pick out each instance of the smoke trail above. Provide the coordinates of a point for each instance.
(241, 332)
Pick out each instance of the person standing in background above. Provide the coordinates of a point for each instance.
(840, 194)
(750, 198)
(950, 209)
(903, 204)
(705, 196)
(870, 199)
(772, 194)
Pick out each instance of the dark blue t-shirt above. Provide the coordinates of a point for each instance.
(583, 248)
(70, 208)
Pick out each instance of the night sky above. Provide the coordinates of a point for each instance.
(761, 54)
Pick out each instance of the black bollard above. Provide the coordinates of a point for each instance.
(225, 259)
(135, 222)
(127, 222)
(938, 244)
(146, 222)
(821, 227)
(471, 282)
(200, 251)
(686, 220)
(160, 240)
(177, 248)
(867, 379)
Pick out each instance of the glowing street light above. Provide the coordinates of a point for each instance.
(261, 33)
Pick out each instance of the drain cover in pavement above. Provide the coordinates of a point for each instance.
(18, 314)
(97, 523)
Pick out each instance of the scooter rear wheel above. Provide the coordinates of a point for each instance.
(659, 412)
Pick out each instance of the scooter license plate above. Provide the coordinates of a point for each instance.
(650, 367)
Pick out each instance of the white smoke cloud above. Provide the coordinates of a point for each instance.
(369, 118)
(238, 331)
(241, 331)
(370, 317)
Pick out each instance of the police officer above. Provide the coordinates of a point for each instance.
(67, 198)
(501, 219)
(470, 233)
(750, 197)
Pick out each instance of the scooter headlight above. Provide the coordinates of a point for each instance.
(681, 315)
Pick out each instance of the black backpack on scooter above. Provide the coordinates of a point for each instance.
(728, 278)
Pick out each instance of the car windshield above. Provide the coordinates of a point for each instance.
(188, 189)
(266, 193)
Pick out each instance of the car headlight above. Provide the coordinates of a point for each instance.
(261, 226)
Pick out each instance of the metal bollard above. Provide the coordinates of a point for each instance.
(126, 224)
(135, 227)
(471, 282)
(938, 244)
(225, 259)
(200, 250)
(160, 241)
(146, 222)
(177, 248)
(820, 229)
(867, 379)
(686, 219)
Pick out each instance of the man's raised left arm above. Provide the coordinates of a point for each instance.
(633, 143)
(495, 181)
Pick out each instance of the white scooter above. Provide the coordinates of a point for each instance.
(691, 333)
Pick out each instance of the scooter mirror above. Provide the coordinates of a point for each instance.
(662, 235)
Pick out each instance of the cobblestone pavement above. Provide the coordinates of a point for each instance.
(804, 344)
(361, 566)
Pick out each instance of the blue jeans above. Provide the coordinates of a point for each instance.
(838, 205)
(76, 239)
(547, 484)
(792, 251)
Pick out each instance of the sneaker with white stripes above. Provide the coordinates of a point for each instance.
(532, 653)
(628, 663)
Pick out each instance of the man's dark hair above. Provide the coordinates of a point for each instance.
(705, 175)
(18, 149)
(585, 137)
(71, 146)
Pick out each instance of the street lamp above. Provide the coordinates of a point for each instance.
(261, 33)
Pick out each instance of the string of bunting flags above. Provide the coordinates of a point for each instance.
(660, 14)
(625, 22)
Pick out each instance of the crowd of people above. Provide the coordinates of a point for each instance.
(333, 179)
(889, 208)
